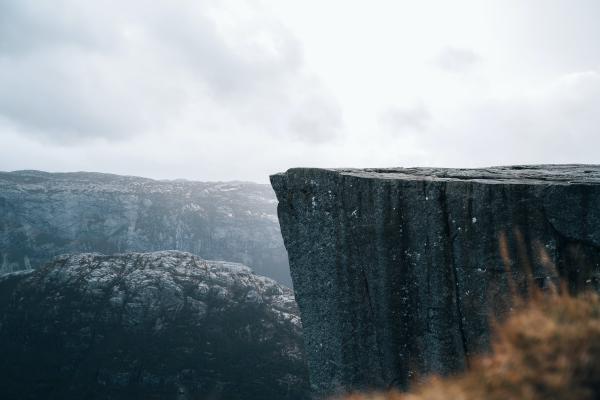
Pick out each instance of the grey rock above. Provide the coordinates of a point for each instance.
(43, 215)
(397, 272)
(163, 325)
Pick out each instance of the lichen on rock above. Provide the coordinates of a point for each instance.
(162, 325)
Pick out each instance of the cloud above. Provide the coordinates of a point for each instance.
(27, 26)
(456, 60)
(406, 119)
(228, 89)
(71, 71)
(557, 123)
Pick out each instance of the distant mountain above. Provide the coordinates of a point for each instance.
(46, 214)
(163, 325)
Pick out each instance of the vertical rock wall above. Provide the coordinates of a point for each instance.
(43, 215)
(397, 272)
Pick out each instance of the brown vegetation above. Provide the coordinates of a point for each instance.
(548, 349)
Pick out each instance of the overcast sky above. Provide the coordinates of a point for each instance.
(236, 90)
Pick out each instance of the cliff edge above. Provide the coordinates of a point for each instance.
(397, 272)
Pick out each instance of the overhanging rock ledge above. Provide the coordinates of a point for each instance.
(398, 271)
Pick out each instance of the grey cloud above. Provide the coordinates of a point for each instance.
(401, 120)
(238, 69)
(317, 119)
(557, 125)
(456, 60)
(67, 100)
(27, 26)
(72, 70)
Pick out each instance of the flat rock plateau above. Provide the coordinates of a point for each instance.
(397, 272)
(162, 325)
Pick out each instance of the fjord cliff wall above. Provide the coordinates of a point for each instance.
(397, 272)
(43, 215)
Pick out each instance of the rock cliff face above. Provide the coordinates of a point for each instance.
(398, 271)
(163, 325)
(43, 215)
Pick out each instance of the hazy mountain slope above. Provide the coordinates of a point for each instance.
(46, 214)
(163, 325)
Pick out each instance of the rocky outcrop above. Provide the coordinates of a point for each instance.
(397, 272)
(43, 215)
(165, 325)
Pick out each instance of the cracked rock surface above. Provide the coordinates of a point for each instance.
(398, 271)
(162, 325)
(43, 215)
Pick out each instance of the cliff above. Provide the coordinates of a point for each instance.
(163, 325)
(43, 215)
(397, 272)
(547, 348)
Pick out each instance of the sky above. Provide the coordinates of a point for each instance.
(238, 90)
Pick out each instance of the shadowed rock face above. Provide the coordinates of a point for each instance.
(43, 215)
(398, 271)
(165, 325)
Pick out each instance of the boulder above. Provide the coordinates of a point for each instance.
(163, 325)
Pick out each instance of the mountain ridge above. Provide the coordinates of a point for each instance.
(46, 214)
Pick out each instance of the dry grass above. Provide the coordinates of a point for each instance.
(548, 349)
